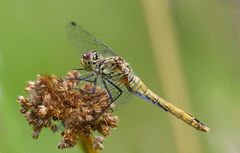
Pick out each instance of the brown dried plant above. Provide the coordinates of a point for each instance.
(51, 100)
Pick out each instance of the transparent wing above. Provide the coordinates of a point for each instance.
(115, 89)
(84, 41)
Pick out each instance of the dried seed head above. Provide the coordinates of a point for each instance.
(112, 121)
(98, 143)
(63, 100)
(31, 84)
(20, 99)
(41, 111)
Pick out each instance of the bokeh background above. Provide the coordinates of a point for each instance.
(186, 51)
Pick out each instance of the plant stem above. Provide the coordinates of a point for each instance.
(86, 144)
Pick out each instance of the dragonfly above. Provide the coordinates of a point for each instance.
(103, 65)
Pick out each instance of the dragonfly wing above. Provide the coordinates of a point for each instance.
(84, 41)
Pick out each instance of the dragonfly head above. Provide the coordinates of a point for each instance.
(89, 60)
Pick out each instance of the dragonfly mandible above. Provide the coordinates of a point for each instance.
(103, 65)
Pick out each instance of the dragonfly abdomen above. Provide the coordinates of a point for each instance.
(138, 88)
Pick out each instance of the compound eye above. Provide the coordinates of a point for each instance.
(86, 56)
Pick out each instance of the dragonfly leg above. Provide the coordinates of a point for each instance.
(79, 69)
(86, 78)
(109, 94)
(94, 84)
(120, 91)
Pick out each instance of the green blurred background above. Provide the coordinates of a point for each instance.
(186, 51)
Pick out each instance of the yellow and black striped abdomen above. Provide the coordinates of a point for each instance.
(138, 88)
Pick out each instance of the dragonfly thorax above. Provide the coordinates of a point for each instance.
(114, 68)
